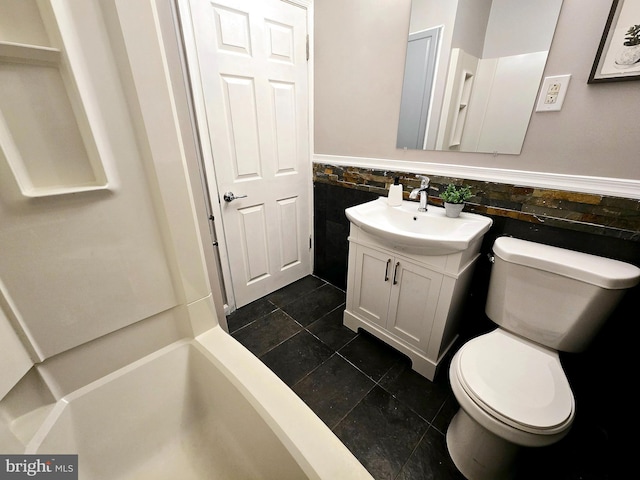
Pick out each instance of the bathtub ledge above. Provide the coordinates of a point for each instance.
(314, 446)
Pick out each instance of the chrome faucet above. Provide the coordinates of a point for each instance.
(423, 191)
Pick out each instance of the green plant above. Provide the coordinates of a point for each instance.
(633, 36)
(453, 194)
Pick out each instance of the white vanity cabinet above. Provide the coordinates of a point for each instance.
(396, 294)
(412, 302)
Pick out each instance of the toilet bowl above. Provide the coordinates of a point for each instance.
(514, 388)
(511, 393)
(509, 383)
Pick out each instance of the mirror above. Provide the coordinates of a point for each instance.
(472, 73)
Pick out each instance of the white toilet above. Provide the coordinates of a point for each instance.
(509, 383)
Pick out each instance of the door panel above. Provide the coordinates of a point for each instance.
(284, 121)
(288, 215)
(417, 87)
(243, 137)
(253, 228)
(252, 71)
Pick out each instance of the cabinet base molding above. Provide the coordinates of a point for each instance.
(419, 361)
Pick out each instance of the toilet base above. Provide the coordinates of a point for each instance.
(478, 453)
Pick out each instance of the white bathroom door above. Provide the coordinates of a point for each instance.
(253, 74)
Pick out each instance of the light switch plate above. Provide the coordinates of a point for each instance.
(552, 93)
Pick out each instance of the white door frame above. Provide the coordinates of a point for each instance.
(198, 105)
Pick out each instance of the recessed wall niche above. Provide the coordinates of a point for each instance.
(45, 136)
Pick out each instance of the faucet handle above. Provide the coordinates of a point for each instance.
(424, 181)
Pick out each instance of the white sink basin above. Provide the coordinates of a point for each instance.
(425, 233)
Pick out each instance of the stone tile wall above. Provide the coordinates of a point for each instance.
(582, 212)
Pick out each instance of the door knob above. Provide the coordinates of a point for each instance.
(230, 197)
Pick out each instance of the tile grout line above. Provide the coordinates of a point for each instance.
(375, 382)
(337, 352)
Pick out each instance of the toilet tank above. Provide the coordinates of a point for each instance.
(553, 296)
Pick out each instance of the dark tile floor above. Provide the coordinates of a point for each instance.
(392, 419)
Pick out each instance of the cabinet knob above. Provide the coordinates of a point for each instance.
(395, 273)
(386, 271)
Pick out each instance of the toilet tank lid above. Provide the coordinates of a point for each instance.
(600, 271)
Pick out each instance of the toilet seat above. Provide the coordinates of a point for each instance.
(519, 383)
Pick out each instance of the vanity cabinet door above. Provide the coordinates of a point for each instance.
(372, 285)
(413, 302)
(396, 294)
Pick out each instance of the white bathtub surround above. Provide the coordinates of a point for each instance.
(191, 408)
(110, 340)
(14, 357)
(202, 408)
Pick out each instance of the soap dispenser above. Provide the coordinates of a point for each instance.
(395, 193)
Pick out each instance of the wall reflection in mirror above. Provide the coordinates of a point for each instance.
(472, 73)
